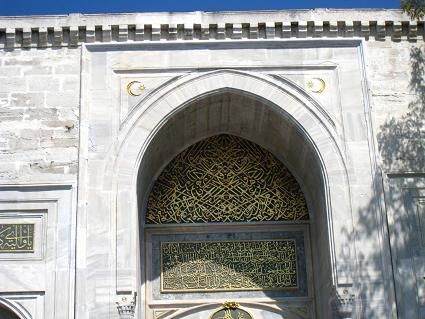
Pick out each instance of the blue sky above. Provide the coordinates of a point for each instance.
(27, 7)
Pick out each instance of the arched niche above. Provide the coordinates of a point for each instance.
(250, 118)
(228, 194)
(268, 112)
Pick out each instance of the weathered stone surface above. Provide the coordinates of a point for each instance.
(37, 84)
(64, 99)
(9, 84)
(24, 100)
(10, 71)
(43, 83)
(37, 70)
(397, 88)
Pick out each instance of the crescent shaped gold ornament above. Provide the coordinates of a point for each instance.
(316, 88)
(130, 90)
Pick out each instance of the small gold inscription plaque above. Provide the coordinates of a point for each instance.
(16, 238)
(228, 265)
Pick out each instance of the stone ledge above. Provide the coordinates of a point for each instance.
(73, 36)
(75, 29)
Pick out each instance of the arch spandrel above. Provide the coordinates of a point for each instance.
(295, 106)
(189, 88)
(225, 178)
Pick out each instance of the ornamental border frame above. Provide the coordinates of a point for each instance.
(234, 289)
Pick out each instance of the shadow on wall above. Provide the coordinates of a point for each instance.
(402, 141)
(401, 144)
(7, 314)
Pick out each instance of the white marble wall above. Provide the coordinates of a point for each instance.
(66, 116)
(39, 119)
(397, 92)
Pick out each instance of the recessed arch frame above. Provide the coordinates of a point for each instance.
(15, 308)
(292, 102)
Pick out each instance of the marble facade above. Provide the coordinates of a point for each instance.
(93, 107)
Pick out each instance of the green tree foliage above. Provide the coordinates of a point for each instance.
(414, 8)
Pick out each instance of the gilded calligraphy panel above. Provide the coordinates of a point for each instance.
(229, 265)
(18, 237)
(225, 178)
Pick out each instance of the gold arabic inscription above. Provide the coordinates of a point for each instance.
(228, 265)
(225, 178)
(16, 238)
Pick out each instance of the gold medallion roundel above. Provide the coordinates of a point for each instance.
(231, 310)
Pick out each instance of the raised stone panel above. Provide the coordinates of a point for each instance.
(46, 275)
(405, 196)
(396, 72)
(300, 288)
(292, 303)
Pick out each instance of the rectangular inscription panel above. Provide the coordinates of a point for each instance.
(228, 265)
(17, 238)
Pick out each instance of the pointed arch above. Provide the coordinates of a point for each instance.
(281, 107)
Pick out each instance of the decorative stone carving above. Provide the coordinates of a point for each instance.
(344, 303)
(126, 308)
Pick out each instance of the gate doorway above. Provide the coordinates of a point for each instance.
(227, 221)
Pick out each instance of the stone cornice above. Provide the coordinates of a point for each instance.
(74, 29)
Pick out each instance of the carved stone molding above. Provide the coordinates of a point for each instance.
(76, 29)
